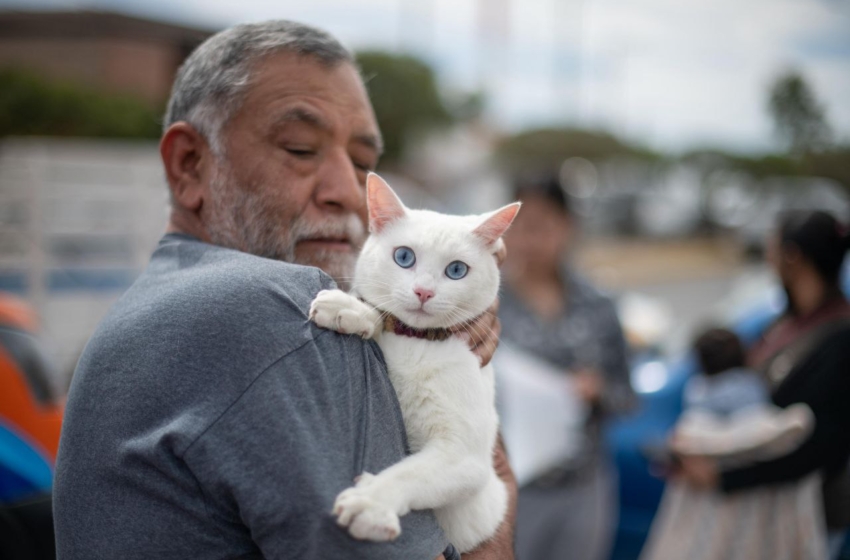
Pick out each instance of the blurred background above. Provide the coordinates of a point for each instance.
(679, 130)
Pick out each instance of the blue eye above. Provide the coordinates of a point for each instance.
(456, 270)
(404, 257)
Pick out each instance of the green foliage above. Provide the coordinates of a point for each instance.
(759, 166)
(30, 105)
(833, 163)
(797, 115)
(547, 148)
(404, 94)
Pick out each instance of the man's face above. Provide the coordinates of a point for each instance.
(291, 182)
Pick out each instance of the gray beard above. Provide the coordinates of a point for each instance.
(243, 219)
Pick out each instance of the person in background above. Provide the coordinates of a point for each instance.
(728, 416)
(549, 311)
(725, 385)
(805, 358)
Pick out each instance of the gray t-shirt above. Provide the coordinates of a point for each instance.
(209, 419)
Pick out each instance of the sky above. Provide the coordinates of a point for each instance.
(670, 74)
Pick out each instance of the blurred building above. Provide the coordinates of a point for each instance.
(78, 221)
(105, 51)
(79, 217)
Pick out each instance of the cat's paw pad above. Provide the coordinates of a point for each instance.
(334, 310)
(365, 517)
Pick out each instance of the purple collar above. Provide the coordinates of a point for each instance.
(394, 325)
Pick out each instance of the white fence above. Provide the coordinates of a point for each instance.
(78, 221)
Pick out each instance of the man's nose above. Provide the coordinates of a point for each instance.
(423, 294)
(340, 188)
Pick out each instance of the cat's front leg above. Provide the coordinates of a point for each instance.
(366, 515)
(344, 313)
(429, 479)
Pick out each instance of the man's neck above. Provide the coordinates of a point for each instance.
(179, 222)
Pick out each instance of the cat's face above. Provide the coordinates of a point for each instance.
(429, 269)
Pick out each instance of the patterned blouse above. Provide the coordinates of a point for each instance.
(587, 334)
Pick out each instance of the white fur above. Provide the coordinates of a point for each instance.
(446, 397)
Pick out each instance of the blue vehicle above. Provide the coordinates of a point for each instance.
(660, 384)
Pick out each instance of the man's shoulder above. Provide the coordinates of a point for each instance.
(204, 273)
(209, 306)
(188, 280)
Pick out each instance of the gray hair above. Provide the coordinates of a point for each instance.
(210, 84)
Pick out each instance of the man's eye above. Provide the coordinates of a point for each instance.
(301, 152)
(363, 166)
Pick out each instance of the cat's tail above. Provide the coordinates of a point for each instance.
(469, 522)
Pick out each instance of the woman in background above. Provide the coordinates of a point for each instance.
(552, 313)
(805, 358)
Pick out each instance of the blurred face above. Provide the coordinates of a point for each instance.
(291, 182)
(539, 236)
(782, 260)
(789, 265)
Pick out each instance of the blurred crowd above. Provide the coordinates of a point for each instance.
(757, 466)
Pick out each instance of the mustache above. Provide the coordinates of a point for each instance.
(349, 227)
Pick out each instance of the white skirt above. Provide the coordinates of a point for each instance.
(777, 522)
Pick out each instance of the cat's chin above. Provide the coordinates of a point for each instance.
(421, 319)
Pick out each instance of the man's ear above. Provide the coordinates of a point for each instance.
(185, 153)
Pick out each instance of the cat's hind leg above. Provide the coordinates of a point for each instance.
(469, 522)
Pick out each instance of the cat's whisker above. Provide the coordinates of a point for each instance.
(465, 325)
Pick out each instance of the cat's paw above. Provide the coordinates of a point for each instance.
(338, 311)
(366, 518)
(364, 479)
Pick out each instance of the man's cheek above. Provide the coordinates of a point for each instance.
(363, 216)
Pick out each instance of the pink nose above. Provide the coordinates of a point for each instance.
(423, 294)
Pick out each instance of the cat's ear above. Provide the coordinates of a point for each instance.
(384, 205)
(496, 224)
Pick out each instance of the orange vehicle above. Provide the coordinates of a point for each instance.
(29, 410)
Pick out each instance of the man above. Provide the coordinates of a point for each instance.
(208, 418)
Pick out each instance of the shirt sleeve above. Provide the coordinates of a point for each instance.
(278, 457)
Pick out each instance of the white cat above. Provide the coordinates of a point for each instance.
(419, 273)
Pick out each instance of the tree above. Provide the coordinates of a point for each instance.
(404, 93)
(833, 163)
(549, 147)
(798, 117)
(31, 105)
